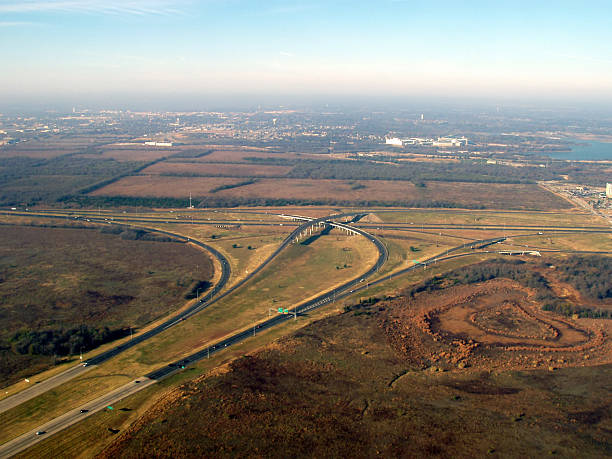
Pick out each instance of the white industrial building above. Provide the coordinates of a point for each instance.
(158, 144)
(441, 142)
(396, 142)
(609, 190)
(450, 142)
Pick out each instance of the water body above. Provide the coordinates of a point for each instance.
(593, 151)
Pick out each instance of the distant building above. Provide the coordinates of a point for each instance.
(394, 141)
(158, 144)
(609, 190)
(441, 142)
(450, 142)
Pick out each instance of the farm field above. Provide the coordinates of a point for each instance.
(213, 169)
(51, 147)
(223, 154)
(502, 196)
(133, 154)
(60, 278)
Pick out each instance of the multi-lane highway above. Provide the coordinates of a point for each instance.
(48, 384)
(349, 288)
(73, 416)
(206, 301)
(28, 439)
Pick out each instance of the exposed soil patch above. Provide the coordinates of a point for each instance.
(494, 324)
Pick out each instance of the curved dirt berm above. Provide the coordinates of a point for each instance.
(495, 324)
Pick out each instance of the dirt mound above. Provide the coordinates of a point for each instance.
(495, 324)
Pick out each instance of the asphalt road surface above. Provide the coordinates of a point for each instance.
(206, 301)
(73, 416)
(42, 387)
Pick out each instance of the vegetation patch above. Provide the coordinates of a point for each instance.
(55, 281)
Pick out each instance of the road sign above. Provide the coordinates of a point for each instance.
(415, 261)
(280, 310)
(110, 407)
(286, 311)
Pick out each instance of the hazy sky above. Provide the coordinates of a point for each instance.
(375, 47)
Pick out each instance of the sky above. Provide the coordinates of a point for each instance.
(79, 49)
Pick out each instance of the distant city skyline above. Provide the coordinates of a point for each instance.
(77, 49)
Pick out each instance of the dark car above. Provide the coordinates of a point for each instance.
(41, 432)
(84, 411)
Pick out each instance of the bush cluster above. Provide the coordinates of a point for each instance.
(63, 342)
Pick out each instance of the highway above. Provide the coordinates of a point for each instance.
(206, 301)
(42, 387)
(349, 288)
(26, 440)
(50, 383)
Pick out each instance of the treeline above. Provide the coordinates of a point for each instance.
(198, 288)
(136, 234)
(591, 276)
(63, 342)
(231, 201)
(515, 270)
(414, 171)
(28, 181)
(481, 272)
(129, 201)
(229, 186)
(569, 310)
(193, 153)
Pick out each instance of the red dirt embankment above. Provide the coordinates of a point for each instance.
(496, 324)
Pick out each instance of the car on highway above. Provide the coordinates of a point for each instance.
(41, 432)
(84, 411)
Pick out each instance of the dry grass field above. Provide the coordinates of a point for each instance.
(59, 278)
(501, 196)
(52, 147)
(229, 170)
(155, 186)
(134, 154)
(225, 154)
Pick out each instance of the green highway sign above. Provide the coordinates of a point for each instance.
(280, 310)
(110, 407)
(286, 311)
